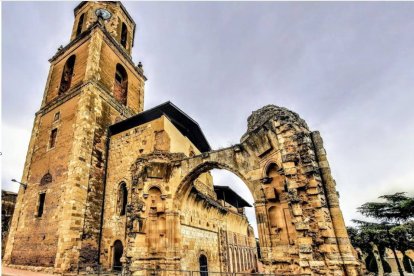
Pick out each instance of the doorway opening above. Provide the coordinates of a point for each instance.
(203, 265)
(118, 251)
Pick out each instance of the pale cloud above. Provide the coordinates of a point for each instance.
(14, 151)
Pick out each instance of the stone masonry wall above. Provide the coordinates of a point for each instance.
(125, 148)
(290, 184)
(113, 25)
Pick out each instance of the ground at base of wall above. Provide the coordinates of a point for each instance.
(7, 271)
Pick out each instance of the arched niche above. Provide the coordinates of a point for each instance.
(122, 198)
(121, 84)
(67, 74)
(118, 250)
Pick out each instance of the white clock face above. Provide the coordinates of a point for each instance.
(104, 14)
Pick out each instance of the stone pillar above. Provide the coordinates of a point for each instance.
(338, 223)
(263, 229)
(172, 225)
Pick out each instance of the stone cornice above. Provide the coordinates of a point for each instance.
(76, 90)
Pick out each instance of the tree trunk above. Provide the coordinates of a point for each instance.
(377, 257)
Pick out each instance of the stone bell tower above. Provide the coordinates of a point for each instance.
(92, 83)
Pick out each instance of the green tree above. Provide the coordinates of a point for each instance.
(396, 208)
(392, 228)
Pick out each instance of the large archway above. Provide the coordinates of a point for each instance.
(187, 182)
(284, 166)
(225, 178)
(265, 199)
(218, 205)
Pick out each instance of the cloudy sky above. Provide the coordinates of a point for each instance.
(347, 68)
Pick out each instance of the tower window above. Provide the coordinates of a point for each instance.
(52, 141)
(121, 84)
(123, 198)
(67, 75)
(80, 24)
(46, 179)
(41, 205)
(124, 35)
(57, 117)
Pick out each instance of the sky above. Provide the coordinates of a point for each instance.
(347, 68)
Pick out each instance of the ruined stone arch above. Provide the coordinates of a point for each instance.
(278, 145)
(185, 185)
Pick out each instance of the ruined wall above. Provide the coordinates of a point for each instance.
(126, 147)
(300, 225)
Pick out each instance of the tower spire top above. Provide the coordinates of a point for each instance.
(110, 14)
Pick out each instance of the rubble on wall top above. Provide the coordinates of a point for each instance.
(282, 114)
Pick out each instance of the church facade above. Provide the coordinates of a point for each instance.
(112, 186)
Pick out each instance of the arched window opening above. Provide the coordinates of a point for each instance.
(41, 204)
(271, 167)
(80, 24)
(67, 75)
(203, 265)
(124, 35)
(121, 84)
(123, 199)
(46, 179)
(52, 138)
(118, 250)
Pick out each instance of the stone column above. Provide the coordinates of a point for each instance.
(172, 225)
(263, 229)
(338, 223)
